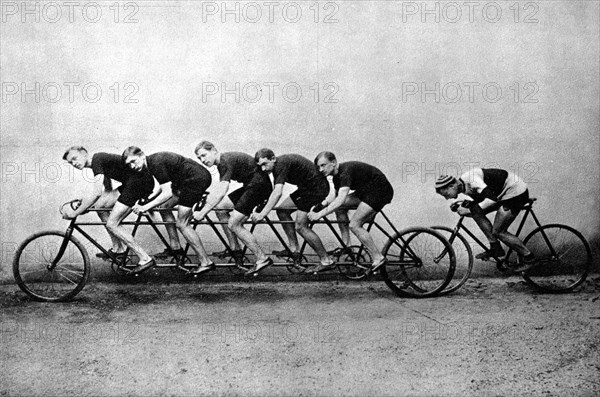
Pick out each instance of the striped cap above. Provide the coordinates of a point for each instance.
(443, 181)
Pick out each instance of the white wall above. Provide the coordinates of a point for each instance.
(372, 58)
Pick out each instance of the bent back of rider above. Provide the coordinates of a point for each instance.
(491, 189)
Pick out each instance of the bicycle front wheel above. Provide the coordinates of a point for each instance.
(563, 258)
(421, 263)
(464, 258)
(34, 271)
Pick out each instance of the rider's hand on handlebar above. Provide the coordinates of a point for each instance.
(462, 211)
(139, 209)
(68, 214)
(256, 217)
(313, 216)
(198, 216)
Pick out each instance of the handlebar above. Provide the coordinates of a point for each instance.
(73, 203)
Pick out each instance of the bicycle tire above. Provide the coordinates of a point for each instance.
(464, 258)
(411, 271)
(568, 269)
(65, 281)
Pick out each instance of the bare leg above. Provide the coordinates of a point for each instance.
(168, 216)
(236, 224)
(310, 236)
(342, 217)
(364, 213)
(224, 216)
(118, 213)
(108, 201)
(184, 215)
(484, 223)
(502, 222)
(289, 227)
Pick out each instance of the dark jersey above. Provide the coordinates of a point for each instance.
(111, 166)
(357, 176)
(174, 168)
(297, 170)
(236, 166)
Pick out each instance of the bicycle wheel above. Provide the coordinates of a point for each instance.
(353, 265)
(35, 255)
(464, 258)
(563, 258)
(420, 264)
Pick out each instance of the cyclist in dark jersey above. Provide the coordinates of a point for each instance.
(240, 167)
(372, 191)
(312, 190)
(134, 187)
(182, 182)
(491, 189)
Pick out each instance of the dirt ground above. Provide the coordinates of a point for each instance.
(284, 336)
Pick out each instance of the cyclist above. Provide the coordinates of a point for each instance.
(134, 187)
(257, 187)
(490, 189)
(182, 182)
(312, 190)
(372, 191)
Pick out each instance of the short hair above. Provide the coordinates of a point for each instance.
(206, 145)
(73, 148)
(131, 151)
(328, 155)
(264, 153)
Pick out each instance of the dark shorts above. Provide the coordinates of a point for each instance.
(254, 194)
(134, 188)
(515, 204)
(377, 194)
(308, 197)
(191, 191)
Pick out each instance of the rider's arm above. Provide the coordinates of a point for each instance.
(337, 203)
(164, 194)
(273, 200)
(90, 199)
(331, 195)
(213, 199)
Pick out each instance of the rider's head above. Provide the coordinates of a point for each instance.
(326, 163)
(207, 153)
(265, 160)
(447, 186)
(77, 156)
(134, 158)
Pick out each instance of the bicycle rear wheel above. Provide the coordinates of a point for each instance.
(563, 258)
(464, 258)
(32, 266)
(421, 263)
